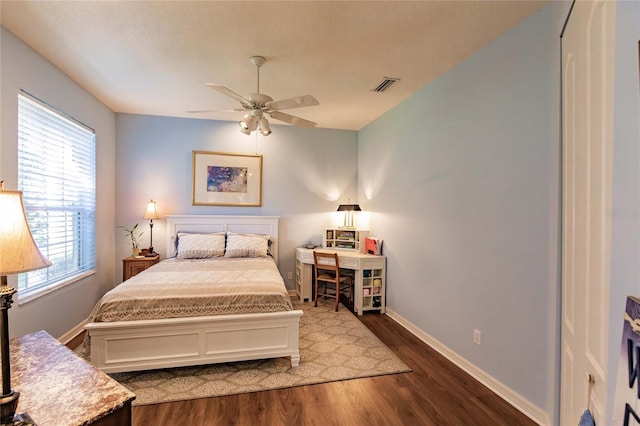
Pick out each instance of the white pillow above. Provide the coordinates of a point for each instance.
(247, 245)
(200, 246)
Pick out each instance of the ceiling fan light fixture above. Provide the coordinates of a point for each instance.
(248, 124)
(264, 127)
(258, 104)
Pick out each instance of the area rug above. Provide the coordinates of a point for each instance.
(333, 346)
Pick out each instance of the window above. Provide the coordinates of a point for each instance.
(57, 175)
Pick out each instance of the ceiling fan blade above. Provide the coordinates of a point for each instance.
(296, 121)
(297, 102)
(200, 111)
(230, 93)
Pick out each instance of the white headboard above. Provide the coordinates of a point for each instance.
(267, 225)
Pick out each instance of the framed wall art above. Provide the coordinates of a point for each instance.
(223, 179)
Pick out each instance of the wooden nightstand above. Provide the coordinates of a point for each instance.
(132, 266)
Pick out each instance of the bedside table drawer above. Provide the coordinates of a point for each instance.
(132, 266)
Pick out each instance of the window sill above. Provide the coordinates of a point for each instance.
(25, 297)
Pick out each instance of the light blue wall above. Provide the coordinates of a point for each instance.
(22, 68)
(306, 174)
(463, 183)
(625, 229)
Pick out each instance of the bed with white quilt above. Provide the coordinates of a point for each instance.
(219, 297)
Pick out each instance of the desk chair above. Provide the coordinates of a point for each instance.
(329, 282)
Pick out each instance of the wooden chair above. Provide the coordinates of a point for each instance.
(329, 282)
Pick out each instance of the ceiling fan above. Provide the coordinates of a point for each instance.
(256, 105)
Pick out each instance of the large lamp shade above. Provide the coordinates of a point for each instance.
(18, 250)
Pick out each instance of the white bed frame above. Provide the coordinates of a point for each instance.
(150, 344)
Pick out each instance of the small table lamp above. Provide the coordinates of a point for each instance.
(18, 253)
(348, 215)
(151, 214)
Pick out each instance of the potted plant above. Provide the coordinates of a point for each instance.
(135, 235)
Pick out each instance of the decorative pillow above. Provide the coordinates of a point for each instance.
(246, 245)
(200, 246)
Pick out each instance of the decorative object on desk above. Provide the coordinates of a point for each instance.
(18, 253)
(348, 215)
(221, 179)
(309, 245)
(373, 245)
(151, 214)
(135, 235)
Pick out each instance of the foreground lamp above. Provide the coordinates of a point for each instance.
(348, 210)
(18, 253)
(151, 214)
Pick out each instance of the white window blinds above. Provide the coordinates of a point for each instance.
(57, 174)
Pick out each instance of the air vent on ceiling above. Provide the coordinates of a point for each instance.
(385, 84)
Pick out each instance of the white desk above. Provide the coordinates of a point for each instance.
(370, 277)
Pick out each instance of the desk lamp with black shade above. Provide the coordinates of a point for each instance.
(18, 253)
(348, 215)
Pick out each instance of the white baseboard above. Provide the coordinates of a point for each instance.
(515, 399)
(74, 332)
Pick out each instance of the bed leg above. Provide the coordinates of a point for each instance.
(295, 360)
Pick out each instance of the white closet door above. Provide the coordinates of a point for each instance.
(587, 106)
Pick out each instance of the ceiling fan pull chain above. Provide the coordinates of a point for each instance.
(257, 143)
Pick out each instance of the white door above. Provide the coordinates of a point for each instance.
(587, 126)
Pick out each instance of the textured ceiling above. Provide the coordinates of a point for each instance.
(153, 57)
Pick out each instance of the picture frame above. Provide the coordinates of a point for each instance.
(226, 179)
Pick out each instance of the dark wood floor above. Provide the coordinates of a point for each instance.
(436, 392)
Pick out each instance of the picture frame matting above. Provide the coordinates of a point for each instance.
(226, 179)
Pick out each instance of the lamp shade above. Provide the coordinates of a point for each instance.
(151, 212)
(18, 251)
(349, 208)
